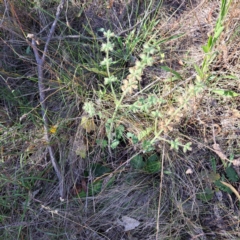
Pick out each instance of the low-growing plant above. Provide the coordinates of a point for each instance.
(218, 180)
(123, 89)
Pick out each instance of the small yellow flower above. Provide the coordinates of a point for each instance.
(53, 129)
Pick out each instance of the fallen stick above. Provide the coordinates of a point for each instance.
(40, 63)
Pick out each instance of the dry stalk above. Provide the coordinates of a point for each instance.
(160, 194)
(40, 64)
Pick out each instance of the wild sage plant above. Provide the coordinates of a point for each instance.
(129, 85)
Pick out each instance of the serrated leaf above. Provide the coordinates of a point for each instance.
(222, 186)
(153, 166)
(145, 133)
(98, 169)
(133, 137)
(119, 131)
(102, 143)
(205, 196)
(153, 158)
(137, 162)
(231, 174)
(96, 187)
(147, 146)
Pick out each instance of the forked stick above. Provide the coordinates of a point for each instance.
(40, 63)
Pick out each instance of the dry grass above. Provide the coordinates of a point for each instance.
(181, 196)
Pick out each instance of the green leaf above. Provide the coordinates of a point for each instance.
(110, 80)
(102, 142)
(133, 137)
(199, 71)
(97, 71)
(231, 174)
(175, 144)
(226, 93)
(89, 108)
(119, 131)
(167, 69)
(214, 164)
(147, 146)
(206, 48)
(217, 34)
(107, 47)
(145, 133)
(152, 100)
(174, 37)
(98, 169)
(153, 167)
(148, 49)
(28, 50)
(156, 114)
(230, 77)
(222, 186)
(187, 147)
(115, 143)
(153, 164)
(137, 162)
(95, 187)
(108, 34)
(153, 158)
(210, 42)
(206, 196)
(106, 62)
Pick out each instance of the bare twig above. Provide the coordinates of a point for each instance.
(160, 193)
(40, 63)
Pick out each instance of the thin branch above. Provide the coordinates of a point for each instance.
(40, 63)
(59, 8)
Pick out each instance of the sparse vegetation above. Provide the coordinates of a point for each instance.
(119, 119)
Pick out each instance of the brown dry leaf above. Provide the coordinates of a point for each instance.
(110, 4)
(235, 113)
(218, 151)
(84, 185)
(88, 124)
(77, 188)
(181, 62)
(209, 17)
